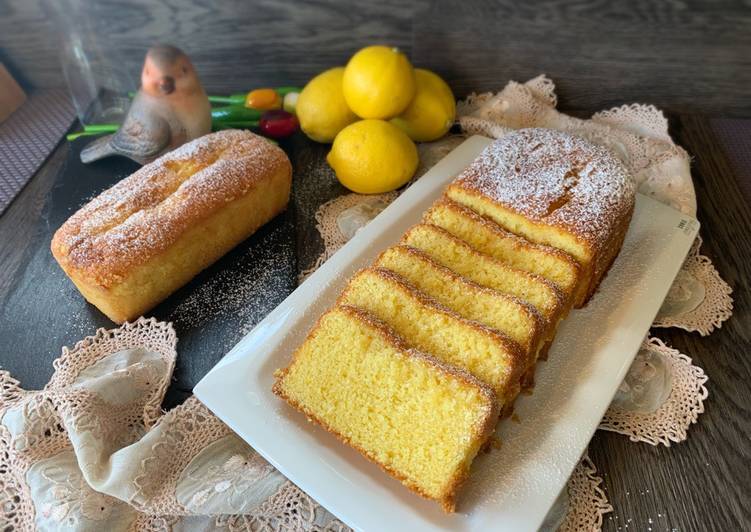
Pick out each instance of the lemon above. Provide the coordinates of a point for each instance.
(372, 157)
(321, 108)
(431, 112)
(379, 82)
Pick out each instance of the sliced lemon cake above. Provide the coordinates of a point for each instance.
(490, 238)
(457, 255)
(421, 420)
(489, 355)
(517, 319)
(555, 189)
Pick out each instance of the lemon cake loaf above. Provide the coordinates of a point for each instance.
(142, 239)
(488, 237)
(518, 320)
(555, 189)
(487, 354)
(457, 255)
(418, 418)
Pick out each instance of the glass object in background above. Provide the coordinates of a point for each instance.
(96, 74)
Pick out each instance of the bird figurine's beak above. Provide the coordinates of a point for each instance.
(167, 85)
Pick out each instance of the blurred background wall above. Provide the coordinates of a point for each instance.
(691, 56)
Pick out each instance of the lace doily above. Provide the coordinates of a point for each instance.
(637, 134)
(662, 395)
(342, 212)
(582, 504)
(587, 499)
(93, 450)
(699, 300)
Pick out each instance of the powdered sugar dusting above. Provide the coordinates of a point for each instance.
(145, 213)
(243, 288)
(554, 178)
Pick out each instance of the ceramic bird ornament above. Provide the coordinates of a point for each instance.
(170, 109)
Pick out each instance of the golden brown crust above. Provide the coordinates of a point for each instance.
(560, 299)
(482, 432)
(608, 258)
(500, 232)
(555, 179)
(526, 308)
(145, 213)
(515, 351)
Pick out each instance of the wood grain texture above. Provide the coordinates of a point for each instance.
(235, 45)
(690, 56)
(685, 57)
(28, 44)
(702, 483)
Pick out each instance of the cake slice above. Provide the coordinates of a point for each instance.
(519, 320)
(488, 237)
(555, 189)
(457, 255)
(419, 419)
(489, 355)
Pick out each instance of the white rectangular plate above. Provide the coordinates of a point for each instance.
(511, 488)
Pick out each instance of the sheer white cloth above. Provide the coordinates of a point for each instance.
(93, 450)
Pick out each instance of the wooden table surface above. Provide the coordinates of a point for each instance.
(700, 484)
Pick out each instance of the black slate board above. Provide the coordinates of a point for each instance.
(210, 314)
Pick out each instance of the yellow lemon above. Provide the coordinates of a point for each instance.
(379, 82)
(372, 157)
(431, 112)
(321, 108)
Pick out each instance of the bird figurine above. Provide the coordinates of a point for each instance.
(170, 109)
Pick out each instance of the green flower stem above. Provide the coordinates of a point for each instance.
(283, 91)
(90, 130)
(100, 128)
(234, 113)
(232, 99)
(235, 125)
(73, 136)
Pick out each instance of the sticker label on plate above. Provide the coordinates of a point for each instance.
(686, 225)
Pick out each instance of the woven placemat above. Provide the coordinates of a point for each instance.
(28, 136)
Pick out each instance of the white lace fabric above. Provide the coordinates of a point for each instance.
(699, 300)
(668, 418)
(637, 134)
(94, 451)
(587, 500)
